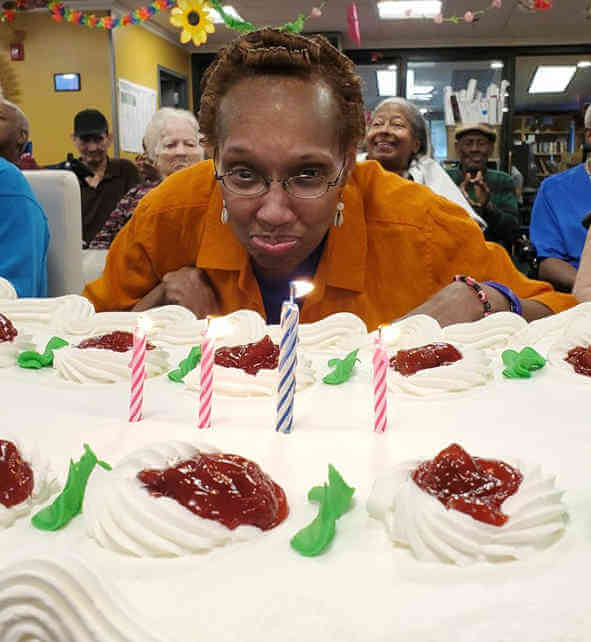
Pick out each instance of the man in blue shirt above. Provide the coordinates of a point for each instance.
(562, 202)
(24, 233)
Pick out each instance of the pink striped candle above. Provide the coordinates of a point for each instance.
(206, 379)
(138, 368)
(380, 371)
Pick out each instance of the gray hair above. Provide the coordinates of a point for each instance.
(588, 117)
(153, 133)
(415, 118)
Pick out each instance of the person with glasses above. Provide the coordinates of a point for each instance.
(281, 117)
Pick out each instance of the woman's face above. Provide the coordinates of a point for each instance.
(390, 139)
(278, 128)
(178, 147)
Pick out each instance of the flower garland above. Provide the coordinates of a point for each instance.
(8, 15)
(474, 16)
(61, 14)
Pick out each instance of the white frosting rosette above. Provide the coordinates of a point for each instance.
(7, 290)
(419, 521)
(97, 365)
(579, 334)
(237, 328)
(472, 370)
(122, 515)
(492, 332)
(59, 313)
(551, 328)
(235, 382)
(412, 332)
(59, 599)
(104, 322)
(44, 484)
(342, 330)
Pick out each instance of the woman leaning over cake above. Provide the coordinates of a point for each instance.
(282, 115)
(397, 139)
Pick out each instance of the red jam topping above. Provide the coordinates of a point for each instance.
(117, 341)
(251, 358)
(580, 360)
(407, 362)
(7, 330)
(472, 485)
(16, 476)
(226, 488)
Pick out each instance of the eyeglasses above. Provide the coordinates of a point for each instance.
(244, 181)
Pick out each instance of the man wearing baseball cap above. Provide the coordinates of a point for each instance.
(491, 193)
(111, 177)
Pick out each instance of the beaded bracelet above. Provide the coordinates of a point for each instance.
(480, 293)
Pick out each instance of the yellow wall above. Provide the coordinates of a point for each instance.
(52, 47)
(138, 52)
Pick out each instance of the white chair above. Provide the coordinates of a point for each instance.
(93, 264)
(58, 192)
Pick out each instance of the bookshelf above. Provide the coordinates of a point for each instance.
(548, 136)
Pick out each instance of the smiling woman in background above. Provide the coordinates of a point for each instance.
(282, 116)
(397, 139)
(171, 141)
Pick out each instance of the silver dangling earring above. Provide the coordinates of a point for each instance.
(225, 217)
(339, 217)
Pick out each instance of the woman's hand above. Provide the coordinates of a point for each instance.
(188, 287)
(458, 303)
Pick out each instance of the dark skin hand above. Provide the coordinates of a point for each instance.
(481, 189)
(458, 303)
(189, 287)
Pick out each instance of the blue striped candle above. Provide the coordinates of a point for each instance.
(290, 315)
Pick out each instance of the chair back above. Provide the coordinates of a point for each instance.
(58, 192)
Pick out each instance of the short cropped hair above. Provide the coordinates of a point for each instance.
(271, 52)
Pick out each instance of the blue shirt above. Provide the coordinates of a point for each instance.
(24, 234)
(561, 203)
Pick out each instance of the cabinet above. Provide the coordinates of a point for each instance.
(548, 136)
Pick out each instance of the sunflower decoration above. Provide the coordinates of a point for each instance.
(193, 17)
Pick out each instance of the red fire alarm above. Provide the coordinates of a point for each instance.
(17, 51)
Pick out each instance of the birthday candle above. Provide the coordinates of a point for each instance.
(138, 368)
(206, 379)
(290, 316)
(380, 369)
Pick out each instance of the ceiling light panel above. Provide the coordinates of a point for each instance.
(551, 79)
(408, 9)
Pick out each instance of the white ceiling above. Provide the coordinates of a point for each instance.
(565, 23)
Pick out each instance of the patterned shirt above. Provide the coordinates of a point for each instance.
(120, 215)
(501, 213)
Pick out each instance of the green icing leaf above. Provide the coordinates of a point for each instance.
(335, 500)
(35, 361)
(343, 369)
(521, 365)
(68, 503)
(296, 26)
(186, 365)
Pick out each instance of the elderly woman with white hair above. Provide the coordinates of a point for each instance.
(397, 139)
(171, 141)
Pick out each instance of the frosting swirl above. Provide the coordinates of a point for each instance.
(472, 370)
(7, 290)
(340, 330)
(9, 350)
(94, 365)
(419, 521)
(61, 600)
(235, 382)
(122, 516)
(493, 331)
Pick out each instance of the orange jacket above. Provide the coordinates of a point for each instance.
(398, 246)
